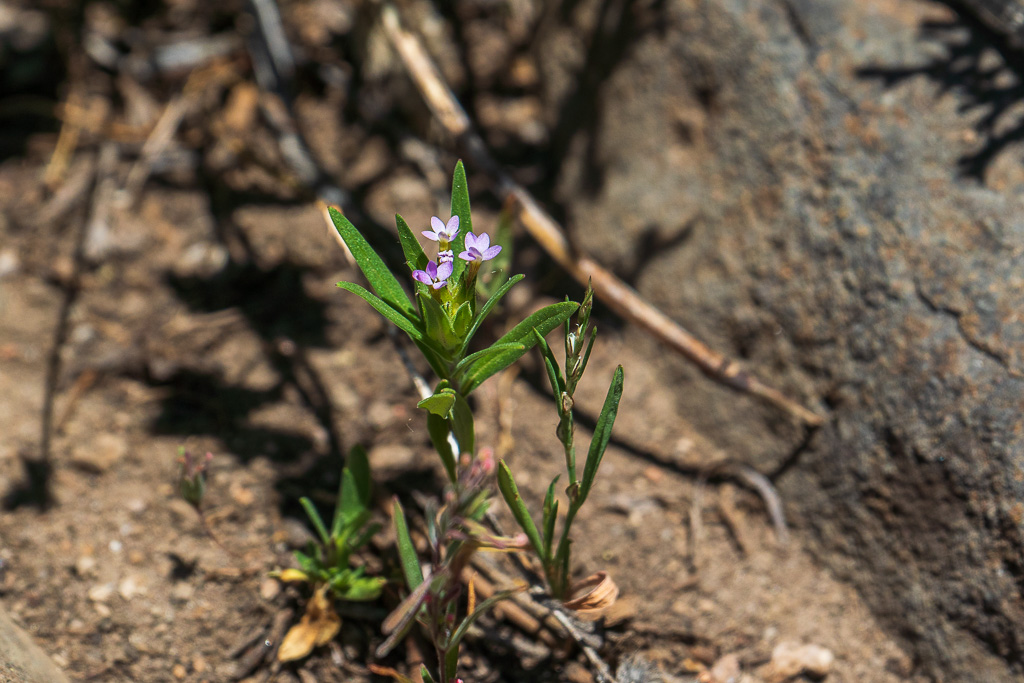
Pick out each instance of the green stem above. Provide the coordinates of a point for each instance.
(566, 428)
(561, 583)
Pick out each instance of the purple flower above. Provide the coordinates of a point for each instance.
(442, 232)
(435, 275)
(479, 249)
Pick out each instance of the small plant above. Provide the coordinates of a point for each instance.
(326, 565)
(442, 319)
(579, 341)
(329, 561)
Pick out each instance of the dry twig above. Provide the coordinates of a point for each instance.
(545, 230)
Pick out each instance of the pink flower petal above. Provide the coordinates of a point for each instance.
(491, 253)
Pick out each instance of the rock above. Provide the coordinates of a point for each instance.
(85, 566)
(9, 263)
(791, 659)
(101, 592)
(725, 670)
(100, 454)
(803, 185)
(129, 587)
(270, 589)
(182, 592)
(21, 660)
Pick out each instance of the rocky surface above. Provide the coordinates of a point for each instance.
(830, 190)
(21, 660)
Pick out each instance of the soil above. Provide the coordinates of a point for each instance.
(204, 315)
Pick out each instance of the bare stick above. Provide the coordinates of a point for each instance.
(545, 230)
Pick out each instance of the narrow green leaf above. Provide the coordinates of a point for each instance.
(510, 492)
(472, 358)
(480, 610)
(486, 309)
(544, 320)
(550, 517)
(425, 675)
(401, 322)
(602, 434)
(398, 624)
(460, 208)
(451, 662)
(414, 256)
(314, 517)
(551, 365)
(462, 425)
(354, 493)
(377, 274)
(438, 428)
(406, 550)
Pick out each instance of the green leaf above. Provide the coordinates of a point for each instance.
(364, 589)
(462, 319)
(439, 403)
(437, 324)
(460, 208)
(434, 359)
(438, 428)
(496, 349)
(425, 675)
(544, 320)
(548, 521)
(451, 662)
(314, 517)
(509, 490)
(414, 256)
(377, 274)
(406, 550)
(602, 434)
(486, 309)
(354, 494)
(480, 610)
(551, 365)
(397, 624)
(364, 536)
(462, 425)
(403, 323)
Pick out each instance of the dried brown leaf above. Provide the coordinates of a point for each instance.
(317, 627)
(593, 594)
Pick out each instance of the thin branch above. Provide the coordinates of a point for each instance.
(545, 230)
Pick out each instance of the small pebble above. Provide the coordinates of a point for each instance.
(9, 263)
(182, 592)
(179, 671)
(790, 659)
(241, 495)
(270, 589)
(85, 566)
(101, 592)
(129, 587)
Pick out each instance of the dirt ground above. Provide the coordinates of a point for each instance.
(201, 311)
